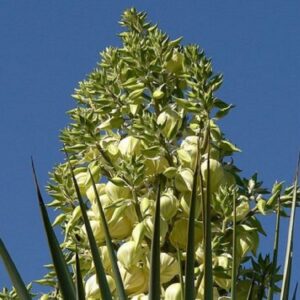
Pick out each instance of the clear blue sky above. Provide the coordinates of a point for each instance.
(48, 46)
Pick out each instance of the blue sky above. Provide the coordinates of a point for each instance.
(48, 46)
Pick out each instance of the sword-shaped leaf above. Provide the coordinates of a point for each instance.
(100, 273)
(80, 294)
(62, 272)
(295, 292)
(234, 260)
(154, 281)
(189, 291)
(275, 252)
(109, 245)
(208, 272)
(250, 292)
(180, 272)
(13, 273)
(289, 248)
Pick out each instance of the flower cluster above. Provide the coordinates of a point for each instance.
(147, 115)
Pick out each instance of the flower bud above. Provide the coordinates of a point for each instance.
(175, 64)
(115, 192)
(169, 120)
(138, 233)
(169, 267)
(128, 254)
(173, 292)
(178, 235)
(168, 205)
(216, 174)
(76, 214)
(158, 94)
(92, 290)
(184, 180)
(130, 146)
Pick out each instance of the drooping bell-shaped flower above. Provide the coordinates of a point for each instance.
(173, 292)
(130, 146)
(242, 210)
(135, 279)
(149, 228)
(224, 262)
(187, 153)
(184, 180)
(128, 254)
(175, 64)
(115, 192)
(92, 290)
(185, 200)
(216, 173)
(120, 225)
(97, 230)
(168, 205)
(169, 120)
(147, 207)
(110, 146)
(156, 165)
(90, 193)
(169, 267)
(178, 235)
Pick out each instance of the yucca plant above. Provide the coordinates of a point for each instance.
(150, 202)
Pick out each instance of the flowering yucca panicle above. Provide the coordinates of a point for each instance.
(148, 114)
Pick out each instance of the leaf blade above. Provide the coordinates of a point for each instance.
(14, 275)
(80, 293)
(113, 259)
(154, 280)
(208, 273)
(234, 260)
(189, 290)
(275, 251)
(100, 273)
(289, 248)
(63, 276)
